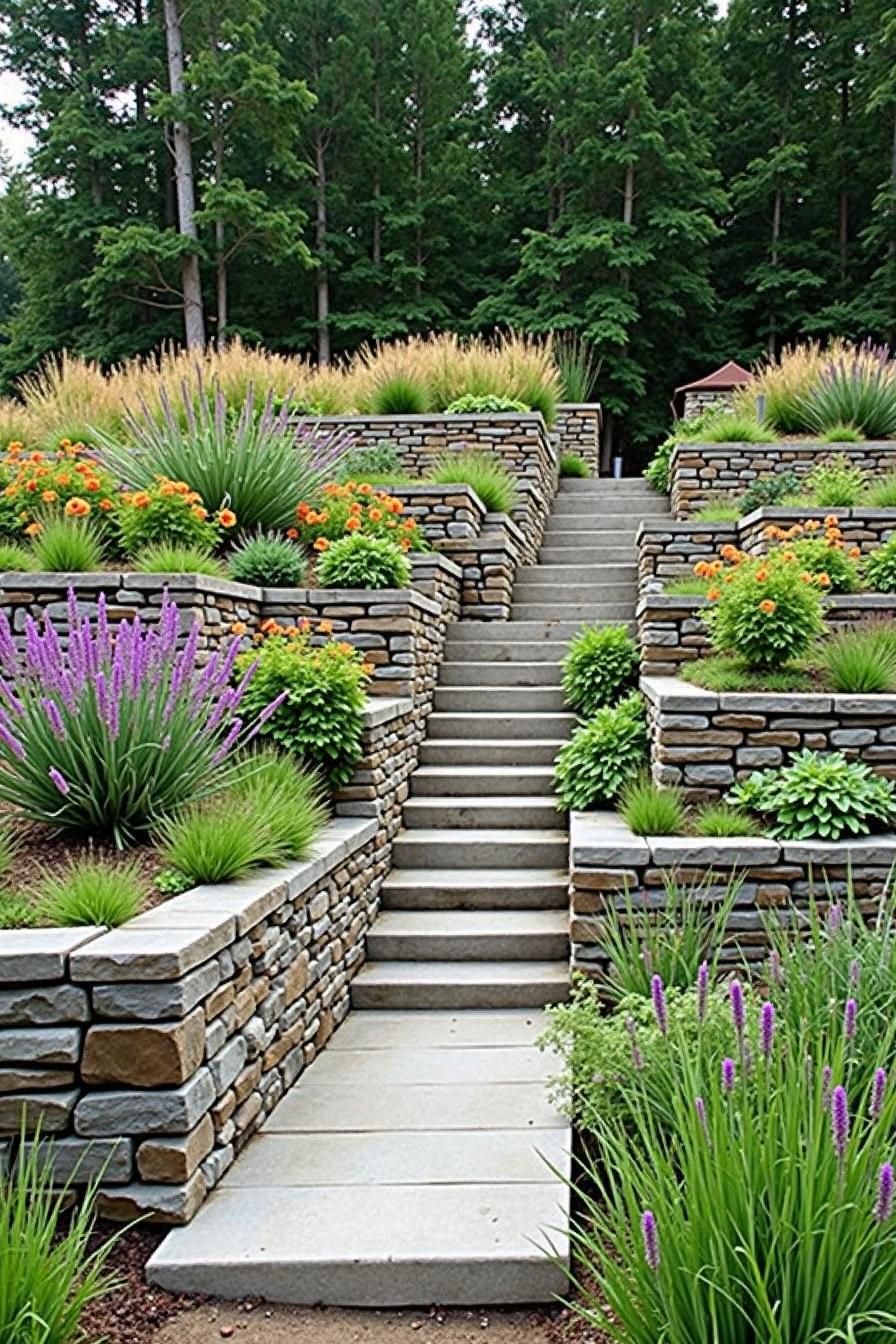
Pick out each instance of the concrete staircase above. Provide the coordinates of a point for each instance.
(419, 1159)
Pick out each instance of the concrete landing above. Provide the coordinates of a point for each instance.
(412, 1164)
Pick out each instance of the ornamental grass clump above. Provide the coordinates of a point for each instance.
(483, 473)
(600, 664)
(105, 731)
(91, 891)
(856, 388)
(766, 610)
(67, 546)
(269, 562)
(862, 661)
(652, 809)
(818, 796)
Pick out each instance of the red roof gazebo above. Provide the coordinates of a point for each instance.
(725, 379)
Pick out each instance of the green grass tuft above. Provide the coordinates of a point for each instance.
(91, 891)
(649, 809)
(163, 558)
(571, 465)
(862, 661)
(67, 546)
(15, 559)
(491, 481)
(724, 820)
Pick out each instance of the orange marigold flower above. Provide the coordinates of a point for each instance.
(33, 529)
(331, 488)
(141, 500)
(410, 523)
(302, 511)
(374, 514)
(728, 552)
(367, 669)
(325, 628)
(713, 595)
(355, 508)
(65, 443)
(701, 569)
(812, 524)
(788, 555)
(352, 524)
(768, 606)
(106, 505)
(824, 580)
(832, 520)
(761, 575)
(167, 488)
(92, 484)
(305, 624)
(345, 647)
(806, 576)
(365, 488)
(395, 505)
(181, 488)
(77, 507)
(227, 518)
(270, 626)
(31, 486)
(321, 544)
(199, 512)
(855, 552)
(405, 543)
(238, 628)
(11, 490)
(49, 496)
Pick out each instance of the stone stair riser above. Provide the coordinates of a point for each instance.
(450, 851)
(509, 752)
(502, 725)
(458, 814)
(493, 699)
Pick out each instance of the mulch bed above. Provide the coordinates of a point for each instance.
(134, 1310)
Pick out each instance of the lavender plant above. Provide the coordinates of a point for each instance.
(760, 1208)
(107, 732)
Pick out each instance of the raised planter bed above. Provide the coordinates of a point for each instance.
(607, 861)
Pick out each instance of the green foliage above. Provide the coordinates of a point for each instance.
(862, 661)
(836, 484)
(363, 562)
(491, 481)
(14, 558)
(579, 367)
(67, 546)
(53, 1267)
(484, 405)
(216, 842)
(858, 389)
(167, 513)
(602, 755)
(321, 717)
(571, 465)
(842, 434)
(769, 490)
(91, 891)
(361, 464)
(725, 673)
(657, 470)
(719, 513)
(398, 395)
(166, 558)
(767, 615)
(818, 556)
(724, 820)
(600, 664)
(652, 809)
(17, 912)
(879, 568)
(686, 587)
(818, 797)
(881, 493)
(288, 798)
(733, 428)
(268, 561)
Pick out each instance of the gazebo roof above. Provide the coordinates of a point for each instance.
(722, 380)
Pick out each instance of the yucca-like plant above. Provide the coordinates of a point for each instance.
(858, 389)
(784, 381)
(257, 463)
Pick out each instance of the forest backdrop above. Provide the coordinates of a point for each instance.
(678, 187)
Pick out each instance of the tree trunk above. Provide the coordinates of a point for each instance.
(777, 213)
(625, 277)
(376, 244)
(220, 241)
(320, 238)
(194, 317)
(418, 190)
(891, 245)
(843, 223)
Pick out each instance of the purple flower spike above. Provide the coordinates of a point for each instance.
(700, 1108)
(775, 969)
(839, 1121)
(878, 1088)
(883, 1208)
(728, 1075)
(738, 1011)
(850, 1013)
(702, 990)
(855, 972)
(637, 1057)
(835, 916)
(658, 995)
(766, 1029)
(651, 1240)
(59, 780)
(827, 1074)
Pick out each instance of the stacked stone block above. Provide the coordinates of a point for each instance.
(577, 430)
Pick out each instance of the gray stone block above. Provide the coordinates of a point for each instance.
(173, 1111)
(227, 1063)
(51, 1110)
(149, 1002)
(175, 1204)
(40, 1045)
(721, 775)
(38, 1006)
(83, 1160)
(28, 955)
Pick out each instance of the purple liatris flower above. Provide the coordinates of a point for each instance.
(700, 1108)
(738, 1011)
(637, 1057)
(878, 1088)
(728, 1075)
(850, 1013)
(59, 780)
(883, 1207)
(855, 972)
(766, 1029)
(702, 990)
(839, 1121)
(827, 1074)
(835, 916)
(54, 718)
(10, 740)
(658, 995)
(651, 1240)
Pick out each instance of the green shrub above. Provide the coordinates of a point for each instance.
(724, 820)
(217, 841)
(363, 562)
(571, 465)
(602, 755)
(491, 481)
(656, 473)
(879, 568)
(767, 491)
(836, 484)
(269, 562)
(52, 1266)
(858, 389)
(600, 663)
(818, 796)
(165, 558)
(842, 434)
(819, 556)
(321, 716)
(361, 464)
(288, 798)
(487, 405)
(862, 661)
(765, 611)
(733, 428)
(881, 494)
(15, 559)
(67, 546)
(91, 891)
(652, 809)
(167, 513)
(398, 394)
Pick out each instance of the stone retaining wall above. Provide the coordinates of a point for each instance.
(708, 473)
(671, 631)
(150, 1053)
(702, 741)
(577, 430)
(863, 527)
(441, 510)
(777, 879)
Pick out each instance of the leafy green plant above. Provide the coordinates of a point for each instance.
(602, 755)
(360, 561)
(652, 809)
(767, 491)
(734, 428)
(485, 405)
(571, 465)
(168, 513)
(399, 394)
(836, 484)
(15, 559)
(842, 434)
(17, 912)
(858, 388)
(879, 568)
(288, 798)
(491, 481)
(881, 493)
(818, 796)
(91, 891)
(268, 561)
(216, 841)
(67, 546)
(579, 366)
(656, 473)
(766, 610)
(819, 556)
(600, 664)
(862, 661)
(380, 460)
(52, 1268)
(165, 558)
(724, 820)
(321, 714)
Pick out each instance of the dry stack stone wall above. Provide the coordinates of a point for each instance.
(577, 430)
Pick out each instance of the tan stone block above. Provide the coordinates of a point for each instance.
(296, 978)
(143, 1055)
(223, 1108)
(172, 1161)
(283, 1044)
(605, 879)
(247, 1113)
(216, 1002)
(247, 1081)
(244, 1005)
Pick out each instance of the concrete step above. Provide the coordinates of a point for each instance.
(476, 889)
(446, 781)
(552, 554)
(511, 751)
(540, 672)
(546, 574)
(475, 848)
(595, 592)
(501, 724)
(469, 935)
(510, 650)
(485, 812)
(606, 485)
(593, 612)
(475, 700)
(595, 506)
(461, 984)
